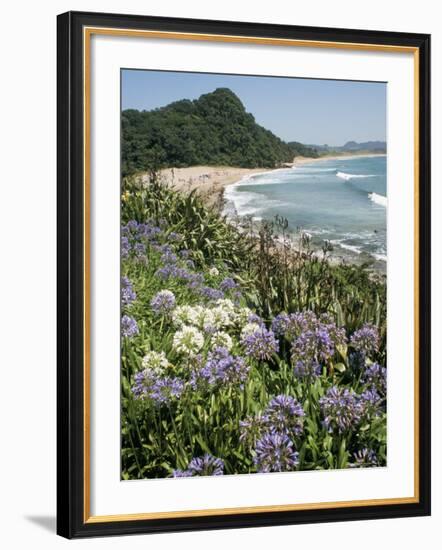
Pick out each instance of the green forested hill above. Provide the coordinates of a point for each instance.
(214, 129)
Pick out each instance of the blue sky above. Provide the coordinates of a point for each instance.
(295, 109)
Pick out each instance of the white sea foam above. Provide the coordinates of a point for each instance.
(378, 199)
(351, 247)
(246, 203)
(305, 169)
(380, 257)
(347, 177)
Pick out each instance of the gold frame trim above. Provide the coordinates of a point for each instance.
(87, 34)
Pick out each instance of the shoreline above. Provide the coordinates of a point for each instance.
(308, 160)
(210, 182)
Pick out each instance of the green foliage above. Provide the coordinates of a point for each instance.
(301, 150)
(273, 276)
(214, 129)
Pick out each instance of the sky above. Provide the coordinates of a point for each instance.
(295, 109)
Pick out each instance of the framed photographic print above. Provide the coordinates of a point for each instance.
(243, 274)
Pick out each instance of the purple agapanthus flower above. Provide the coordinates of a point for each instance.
(150, 232)
(305, 354)
(161, 390)
(370, 403)
(292, 325)
(129, 326)
(128, 294)
(163, 302)
(228, 284)
(175, 237)
(261, 344)
(163, 248)
(125, 247)
(132, 225)
(341, 409)
(366, 340)
(255, 318)
(211, 294)
(221, 368)
(274, 452)
(364, 458)
(285, 414)
(139, 249)
(315, 345)
(206, 465)
(169, 257)
(376, 376)
(280, 324)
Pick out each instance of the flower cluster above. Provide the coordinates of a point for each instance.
(155, 361)
(315, 345)
(188, 341)
(274, 452)
(219, 349)
(271, 434)
(364, 458)
(161, 390)
(259, 342)
(206, 465)
(221, 339)
(129, 327)
(285, 414)
(344, 410)
(163, 302)
(376, 376)
(128, 294)
(136, 236)
(228, 284)
(292, 325)
(341, 409)
(220, 369)
(366, 340)
(211, 294)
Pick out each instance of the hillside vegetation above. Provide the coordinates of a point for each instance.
(212, 130)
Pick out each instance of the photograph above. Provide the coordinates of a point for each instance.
(253, 264)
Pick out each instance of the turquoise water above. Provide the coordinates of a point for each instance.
(343, 201)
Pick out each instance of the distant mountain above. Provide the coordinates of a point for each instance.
(352, 147)
(365, 146)
(214, 129)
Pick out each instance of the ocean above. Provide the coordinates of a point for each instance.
(343, 201)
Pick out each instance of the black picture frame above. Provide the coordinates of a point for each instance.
(71, 520)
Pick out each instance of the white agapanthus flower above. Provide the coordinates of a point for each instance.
(223, 313)
(188, 341)
(221, 317)
(155, 361)
(207, 321)
(213, 272)
(249, 329)
(200, 316)
(227, 304)
(222, 340)
(242, 316)
(183, 315)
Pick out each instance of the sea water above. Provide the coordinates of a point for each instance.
(343, 201)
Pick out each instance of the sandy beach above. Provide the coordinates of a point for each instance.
(210, 181)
